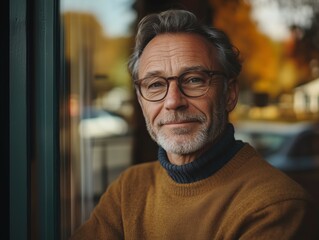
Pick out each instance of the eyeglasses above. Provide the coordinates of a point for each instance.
(191, 83)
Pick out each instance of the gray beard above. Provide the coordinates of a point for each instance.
(186, 143)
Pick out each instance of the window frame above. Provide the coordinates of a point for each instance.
(33, 115)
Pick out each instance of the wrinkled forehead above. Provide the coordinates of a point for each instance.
(171, 53)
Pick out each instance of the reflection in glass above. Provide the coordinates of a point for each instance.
(98, 108)
(96, 126)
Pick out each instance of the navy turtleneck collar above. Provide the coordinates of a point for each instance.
(208, 163)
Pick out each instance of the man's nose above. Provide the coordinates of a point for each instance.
(175, 99)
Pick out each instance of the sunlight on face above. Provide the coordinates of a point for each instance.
(181, 140)
(182, 125)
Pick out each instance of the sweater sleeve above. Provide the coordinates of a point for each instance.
(289, 219)
(105, 221)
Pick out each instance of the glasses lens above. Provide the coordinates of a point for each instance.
(195, 84)
(153, 88)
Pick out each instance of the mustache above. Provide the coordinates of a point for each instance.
(181, 117)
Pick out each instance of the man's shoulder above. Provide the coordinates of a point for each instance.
(262, 179)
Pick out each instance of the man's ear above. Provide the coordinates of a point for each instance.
(232, 95)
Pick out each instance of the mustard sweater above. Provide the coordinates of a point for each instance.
(246, 199)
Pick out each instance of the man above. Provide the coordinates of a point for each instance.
(206, 184)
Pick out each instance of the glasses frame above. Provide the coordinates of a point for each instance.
(210, 74)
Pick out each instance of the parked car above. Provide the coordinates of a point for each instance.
(98, 123)
(287, 146)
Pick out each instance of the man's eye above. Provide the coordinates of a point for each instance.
(156, 85)
(194, 81)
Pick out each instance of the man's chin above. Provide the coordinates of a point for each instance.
(177, 132)
(180, 144)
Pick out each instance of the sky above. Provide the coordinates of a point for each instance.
(275, 21)
(115, 16)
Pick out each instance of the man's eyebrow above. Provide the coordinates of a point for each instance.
(152, 74)
(157, 73)
(193, 68)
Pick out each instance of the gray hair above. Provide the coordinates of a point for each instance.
(181, 21)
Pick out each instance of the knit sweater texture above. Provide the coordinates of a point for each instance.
(206, 164)
(246, 199)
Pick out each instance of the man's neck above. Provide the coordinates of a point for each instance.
(179, 160)
(203, 164)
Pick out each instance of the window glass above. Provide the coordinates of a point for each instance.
(96, 42)
(279, 83)
(307, 146)
(267, 143)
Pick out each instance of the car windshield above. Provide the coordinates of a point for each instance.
(264, 143)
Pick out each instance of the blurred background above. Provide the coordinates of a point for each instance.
(102, 130)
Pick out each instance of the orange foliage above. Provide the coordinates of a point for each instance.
(261, 56)
(94, 56)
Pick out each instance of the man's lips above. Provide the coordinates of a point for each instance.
(180, 122)
(171, 123)
(174, 120)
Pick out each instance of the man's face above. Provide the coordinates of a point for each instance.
(183, 125)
